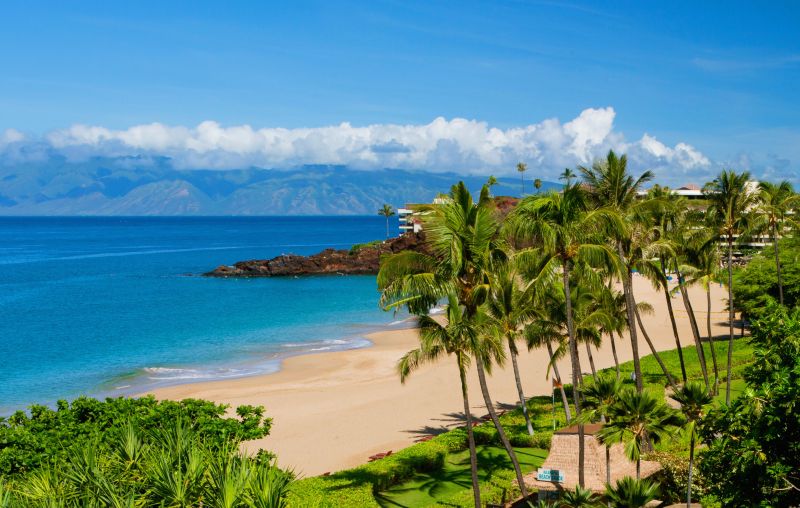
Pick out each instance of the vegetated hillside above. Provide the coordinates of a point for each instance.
(147, 186)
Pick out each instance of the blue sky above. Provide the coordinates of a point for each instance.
(722, 77)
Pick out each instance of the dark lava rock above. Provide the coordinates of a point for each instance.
(356, 261)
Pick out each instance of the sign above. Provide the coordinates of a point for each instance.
(549, 475)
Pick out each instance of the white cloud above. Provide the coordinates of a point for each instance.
(462, 145)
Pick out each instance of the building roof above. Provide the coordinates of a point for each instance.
(564, 457)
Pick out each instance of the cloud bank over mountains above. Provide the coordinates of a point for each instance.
(455, 145)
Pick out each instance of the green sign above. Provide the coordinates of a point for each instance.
(550, 475)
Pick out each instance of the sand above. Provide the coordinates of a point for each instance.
(331, 411)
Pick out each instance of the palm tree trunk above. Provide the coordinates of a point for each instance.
(711, 338)
(591, 360)
(689, 483)
(514, 364)
(638, 468)
(614, 352)
(564, 399)
(674, 324)
(627, 288)
(487, 399)
(701, 356)
(387, 226)
(608, 465)
(655, 353)
(473, 457)
(576, 374)
(730, 318)
(777, 263)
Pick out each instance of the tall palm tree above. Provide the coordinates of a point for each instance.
(612, 186)
(510, 308)
(522, 168)
(703, 266)
(386, 211)
(565, 230)
(464, 239)
(567, 176)
(635, 418)
(776, 204)
(692, 397)
(665, 215)
(599, 398)
(544, 330)
(537, 183)
(730, 203)
(457, 338)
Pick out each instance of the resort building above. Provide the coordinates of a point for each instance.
(559, 471)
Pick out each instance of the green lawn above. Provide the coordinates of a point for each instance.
(427, 489)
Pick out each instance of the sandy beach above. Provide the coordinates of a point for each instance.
(331, 411)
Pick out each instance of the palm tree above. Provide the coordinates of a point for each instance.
(703, 262)
(543, 331)
(632, 493)
(463, 237)
(567, 175)
(386, 211)
(635, 418)
(579, 498)
(537, 183)
(565, 230)
(510, 309)
(522, 168)
(692, 397)
(457, 338)
(664, 216)
(776, 202)
(730, 203)
(599, 398)
(612, 186)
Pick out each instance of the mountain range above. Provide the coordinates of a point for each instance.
(133, 186)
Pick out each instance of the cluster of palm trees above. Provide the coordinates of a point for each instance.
(557, 273)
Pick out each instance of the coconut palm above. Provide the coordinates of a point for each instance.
(565, 230)
(599, 397)
(579, 498)
(522, 168)
(465, 244)
(567, 176)
(730, 204)
(510, 308)
(776, 204)
(386, 211)
(635, 418)
(544, 330)
(703, 266)
(632, 493)
(692, 397)
(610, 185)
(537, 183)
(664, 216)
(457, 338)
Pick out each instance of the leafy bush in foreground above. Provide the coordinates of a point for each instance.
(165, 467)
(45, 437)
(753, 456)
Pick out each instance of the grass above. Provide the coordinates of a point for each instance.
(451, 485)
(428, 489)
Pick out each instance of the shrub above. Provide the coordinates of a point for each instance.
(331, 492)
(675, 474)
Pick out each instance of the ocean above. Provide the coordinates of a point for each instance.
(115, 306)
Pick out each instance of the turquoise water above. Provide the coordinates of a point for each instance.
(105, 306)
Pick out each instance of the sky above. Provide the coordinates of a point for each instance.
(685, 88)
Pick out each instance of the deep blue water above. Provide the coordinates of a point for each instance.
(104, 306)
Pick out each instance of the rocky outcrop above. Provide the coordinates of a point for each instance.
(361, 259)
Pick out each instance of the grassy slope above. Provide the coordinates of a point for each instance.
(451, 486)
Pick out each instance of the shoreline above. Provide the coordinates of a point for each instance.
(331, 410)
